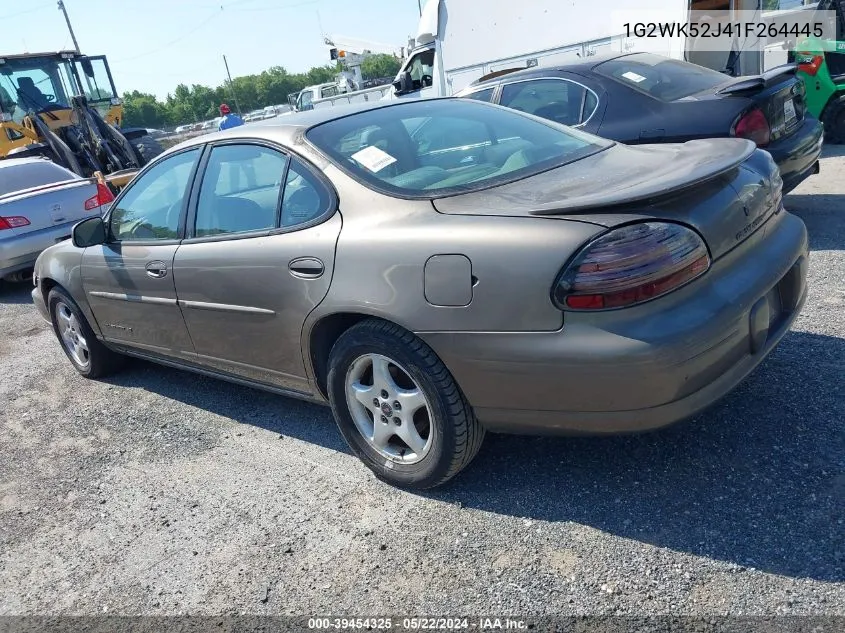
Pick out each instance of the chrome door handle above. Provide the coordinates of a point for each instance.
(156, 269)
(306, 267)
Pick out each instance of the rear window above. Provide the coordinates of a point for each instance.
(662, 78)
(29, 174)
(433, 148)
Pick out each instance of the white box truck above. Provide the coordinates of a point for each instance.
(460, 41)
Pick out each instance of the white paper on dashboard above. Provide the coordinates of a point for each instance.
(373, 158)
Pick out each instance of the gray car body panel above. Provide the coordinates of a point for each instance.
(473, 276)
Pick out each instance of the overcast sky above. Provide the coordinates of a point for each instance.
(153, 45)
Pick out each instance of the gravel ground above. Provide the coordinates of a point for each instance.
(160, 492)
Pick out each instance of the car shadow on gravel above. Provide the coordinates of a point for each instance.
(758, 481)
(278, 414)
(824, 215)
(833, 151)
(15, 293)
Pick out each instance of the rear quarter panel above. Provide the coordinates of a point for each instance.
(630, 113)
(385, 243)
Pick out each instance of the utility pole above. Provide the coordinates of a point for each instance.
(419, 5)
(69, 27)
(232, 86)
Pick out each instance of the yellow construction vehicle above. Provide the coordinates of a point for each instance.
(64, 106)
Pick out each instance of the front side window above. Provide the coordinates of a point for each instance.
(421, 68)
(430, 148)
(240, 190)
(305, 100)
(152, 205)
(558, 100)
(659, 77)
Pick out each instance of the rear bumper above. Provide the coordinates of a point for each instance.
(640, 368)
(18, 252)
(798, 155)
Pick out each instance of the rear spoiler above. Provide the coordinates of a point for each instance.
(759, 82)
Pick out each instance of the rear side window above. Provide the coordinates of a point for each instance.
(31, 174)
(480, 95)
(305, 197)
(659, 77)
(558, 100)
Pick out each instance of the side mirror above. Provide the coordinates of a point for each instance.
(90, 232)
(404, 84)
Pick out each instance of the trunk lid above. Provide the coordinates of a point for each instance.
(724, 188)
(778, 93)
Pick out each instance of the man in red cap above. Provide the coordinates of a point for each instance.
(229, 118)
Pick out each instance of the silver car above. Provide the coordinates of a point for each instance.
(434, 269)
(40, 202)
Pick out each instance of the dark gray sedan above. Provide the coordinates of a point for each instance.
(644, 98)
(433, 269)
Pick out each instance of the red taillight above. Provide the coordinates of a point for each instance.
(754, 126)
(631, 265)
(103, 197)
(809, 63)
(13, 222)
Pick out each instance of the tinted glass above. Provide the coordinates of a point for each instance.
(480, 95)
(305, 196)
(15, 177)
(421, 68)
(427, 148)
(151, 207)
(240, 190)
(554, 99)
(664, 79)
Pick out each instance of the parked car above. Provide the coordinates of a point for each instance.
(645, 98)
(491, 270)
(40, 201)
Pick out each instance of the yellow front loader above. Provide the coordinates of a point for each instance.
(64, 106)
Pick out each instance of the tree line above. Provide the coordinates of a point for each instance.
(190, 104)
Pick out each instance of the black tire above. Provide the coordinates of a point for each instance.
(101, 360)
(456, 435)
(147, 148)
(834, 121)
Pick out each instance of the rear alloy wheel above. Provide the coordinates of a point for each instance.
(834, 121)
(398, 407)
(89, 356)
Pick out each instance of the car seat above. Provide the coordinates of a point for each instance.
(235, 215)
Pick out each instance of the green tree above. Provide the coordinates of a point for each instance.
(191, 104)
(144, 110)
(380, 66)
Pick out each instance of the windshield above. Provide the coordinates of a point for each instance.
(431, 148)
(33, 85)
(662, 78)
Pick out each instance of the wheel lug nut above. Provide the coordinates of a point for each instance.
(397, 405)
(384, 394)
(397, 421)
(384, 419)
(375, 402)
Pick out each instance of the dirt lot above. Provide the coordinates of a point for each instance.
(160, 492)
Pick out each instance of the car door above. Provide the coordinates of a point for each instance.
(129, 280)
(257, 260)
